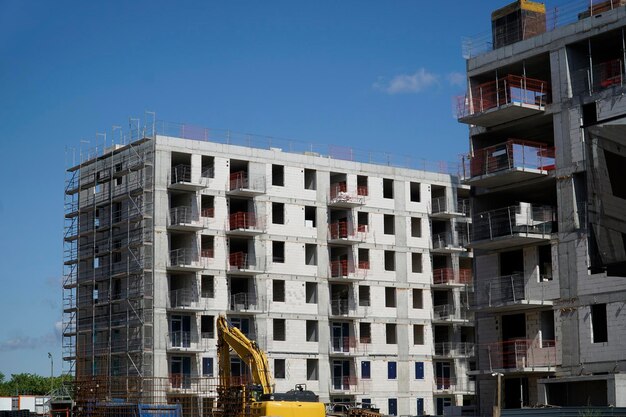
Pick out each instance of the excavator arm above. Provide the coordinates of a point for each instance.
(230, 337)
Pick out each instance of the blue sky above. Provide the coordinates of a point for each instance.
(374, 75)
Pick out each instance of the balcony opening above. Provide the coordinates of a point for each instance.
(515, 393)
(242, 253)
(390, 260)
(387, 188)
(246, 325)
(310, 217)
(312, 369)
(361, 185)
(181, 167)
(278, 251)
(599, 330)
(208, 167)
(442, 334)
(364, 258)
(545, 262)
(513, 327)
(310, 254)
(278, 213)
(180, 331)
(391, 338)
(278, 328)
(512, 262)
(338, 185)
(278, 175)
(340, 299)
(390, 297)
(311, 331)
(441, 298)
(416, 262)
(547, 328)
(418, 298)
(388, 224)
(207, 208)
(310, 181)
(365, 332)
(242, 214)
(311, 292)
(207, 249)
(207, 370)
(439, 200)
(279, 368)
(364, 295)
(415, 192)
(418, 334)
(362, 221)
(242, 294)
(278, 290)
(207, 285)
(341, 261)
(207, 327)
(416, 227)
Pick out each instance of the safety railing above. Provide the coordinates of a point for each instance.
(455, 349)
(362, 190)
(454, 384)
(344, 344)
(241, 181)
(521, 354)
(182, 298)
(182, 338)
(452, 276)
(509, 289)
(341, 307)
(243, 301)
(342, 268)
(598, 77)
(513, 154)
(522, 219)
(448, 312)
(243, 261)
(243, 220)
(181, 173)
(344, 383)
(450, 240)
(183, 257)
(345, 230)
(511, 89)
(443, 205)
(207, 212)
(182, 215)
(338, 194)
(207, 253)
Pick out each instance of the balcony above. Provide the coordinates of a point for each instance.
(244, 264)
(184, 299)
(452, 277)
(242, 302)
(454, 386)
(512, 226)
(182, 218)
(344, 232)
(442, 208)
(343, 345)
(455, 350)
(447, 313)
(507, 163)
(522, 355)
(181, 179)
(340, 197)
(183, 340)
(344, 270)
(449, 242)
(503, 100)
(244, 224)
(511, 292)
(186, 259)
(240, 184)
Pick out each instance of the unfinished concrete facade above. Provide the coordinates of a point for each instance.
(352, 276)
(547, 153)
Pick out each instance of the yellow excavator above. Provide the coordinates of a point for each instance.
(257, 400)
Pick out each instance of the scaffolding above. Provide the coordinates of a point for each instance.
(108, 276)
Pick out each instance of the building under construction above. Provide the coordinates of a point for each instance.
(547, 116)
(350, 272)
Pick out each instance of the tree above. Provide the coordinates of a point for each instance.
(31, 384)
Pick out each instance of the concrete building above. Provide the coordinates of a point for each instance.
(354, 277)
(546, 111)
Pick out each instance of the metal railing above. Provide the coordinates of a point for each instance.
(442, 205)
(345, 230)
(454, 349)
(182, 215)
(338, 193)
(182, 338)
(508, 289)
(241, 181)
(521, 219)
(512, 154)
(598, 77)
(243, 301)
(511, 89)
(450, 276)
(521, 353)
(556, 16)
(342, 268)
(454, 384)
(183, 297)
(183, 257)
(181, 173)
(344, 344)
(243, 220)
(344, 383)
(341, 307)
(241, 260)
(447, 240)
(449, 312)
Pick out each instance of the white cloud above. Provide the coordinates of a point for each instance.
(456, 79)
(407, 83)
(29, 342)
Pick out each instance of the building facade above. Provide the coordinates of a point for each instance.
(547, 150)
(353, 277)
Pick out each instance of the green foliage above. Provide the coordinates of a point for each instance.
(30, 384)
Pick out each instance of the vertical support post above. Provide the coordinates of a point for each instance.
(590, 62)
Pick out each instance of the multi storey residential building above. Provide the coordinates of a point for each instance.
(353, 277)
(546, 111)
